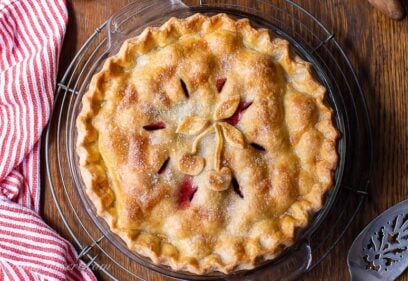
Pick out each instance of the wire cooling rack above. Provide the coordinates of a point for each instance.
(313, 41)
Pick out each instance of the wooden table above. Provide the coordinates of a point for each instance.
(378, 49)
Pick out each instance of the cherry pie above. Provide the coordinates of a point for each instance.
(205, 144)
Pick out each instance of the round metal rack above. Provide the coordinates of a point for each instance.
(313, 41)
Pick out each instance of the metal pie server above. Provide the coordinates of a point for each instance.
(380, 251)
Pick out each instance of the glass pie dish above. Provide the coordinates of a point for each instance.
(343, 94)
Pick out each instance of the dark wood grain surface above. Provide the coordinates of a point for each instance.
(378, 49)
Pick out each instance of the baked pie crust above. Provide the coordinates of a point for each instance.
(205, 144)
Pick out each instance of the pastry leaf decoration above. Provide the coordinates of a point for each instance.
(232, 135)
(192, 125)
(226, 108)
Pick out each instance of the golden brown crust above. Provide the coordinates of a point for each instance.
(157, 126)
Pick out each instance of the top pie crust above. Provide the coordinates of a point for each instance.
(213, 110)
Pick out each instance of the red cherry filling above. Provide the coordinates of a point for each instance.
(235, 186)
(163, 166)
(220, 84)
(187, 191)
(184, 87)
(234, 119)
(155, 126)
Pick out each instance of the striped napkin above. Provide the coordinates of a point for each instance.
(31, 35)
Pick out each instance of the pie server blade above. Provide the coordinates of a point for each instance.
(380, 251)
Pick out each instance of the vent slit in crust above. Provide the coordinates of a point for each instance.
(236, 117)
(186, 192)
(159, 125)
(258, 146)
(236, 187)
(163, 166)
(184, 87)
(220, 84)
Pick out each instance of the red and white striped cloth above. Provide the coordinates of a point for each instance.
(31, 35)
